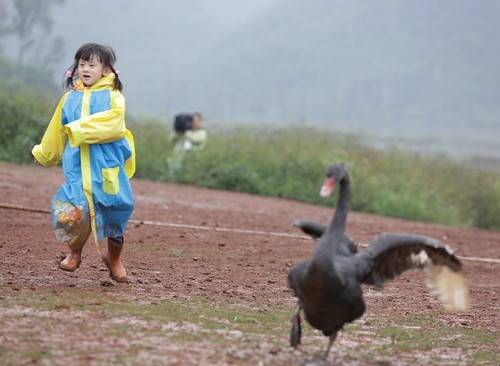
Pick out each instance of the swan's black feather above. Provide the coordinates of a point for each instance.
(311, 228)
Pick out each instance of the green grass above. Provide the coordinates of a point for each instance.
(198, 320)
(486, 358)
(291, 163)
(423, 333)
(207, 315)
(176, 252)
(36, 355)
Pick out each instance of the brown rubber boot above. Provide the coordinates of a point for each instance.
(72, 261)
(115, 266)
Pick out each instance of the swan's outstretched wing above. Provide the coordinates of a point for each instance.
(311, 228)
(389, 255)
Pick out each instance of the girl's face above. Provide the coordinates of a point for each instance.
(196, 122)
(91, 71)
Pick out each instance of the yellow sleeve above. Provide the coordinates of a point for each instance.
(130, 162)
(50, 149)
(99, 127)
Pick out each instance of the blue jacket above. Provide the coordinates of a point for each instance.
(88, 133)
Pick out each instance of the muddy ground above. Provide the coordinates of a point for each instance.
(203, 297)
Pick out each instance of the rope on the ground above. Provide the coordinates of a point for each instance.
(227, 229)
(23, 208)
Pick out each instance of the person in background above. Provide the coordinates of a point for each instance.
(196, 137)
(189, 136)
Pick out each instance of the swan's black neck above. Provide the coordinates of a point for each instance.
(338, 222)
(322, 264)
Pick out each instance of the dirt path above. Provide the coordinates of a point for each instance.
(202, 271)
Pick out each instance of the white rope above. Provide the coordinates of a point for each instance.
(231, 230)
(274, 233)
(479, 259)
(219, 229)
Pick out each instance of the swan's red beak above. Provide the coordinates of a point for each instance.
(327, 188)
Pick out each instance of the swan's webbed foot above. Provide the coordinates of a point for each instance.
(330, 342)
(296, 331)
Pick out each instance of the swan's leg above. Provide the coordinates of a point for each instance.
(296, 331)
(330, 342)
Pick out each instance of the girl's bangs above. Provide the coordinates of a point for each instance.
(87, 53)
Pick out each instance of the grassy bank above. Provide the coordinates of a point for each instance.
(291, 162)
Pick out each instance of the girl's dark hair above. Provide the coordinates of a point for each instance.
(105, 54)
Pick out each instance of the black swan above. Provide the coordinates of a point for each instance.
(328, 286)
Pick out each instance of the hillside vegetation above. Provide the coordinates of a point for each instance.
(27, 99)
(291, 163)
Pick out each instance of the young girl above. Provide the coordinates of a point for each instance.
(88, 133)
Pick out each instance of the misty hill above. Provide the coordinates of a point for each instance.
(415, 68)
(392, 67)
(153, 40)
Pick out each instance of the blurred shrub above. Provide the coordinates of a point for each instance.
(27, 101)
(152, 145)
(24, 116)
(290, 163)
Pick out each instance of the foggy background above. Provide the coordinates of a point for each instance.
(422, 74)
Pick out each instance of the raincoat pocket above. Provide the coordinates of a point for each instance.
(110, 181)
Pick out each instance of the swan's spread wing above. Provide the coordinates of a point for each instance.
(311, 228)
(389, 255)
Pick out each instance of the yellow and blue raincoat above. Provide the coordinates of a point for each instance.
(88, 133)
